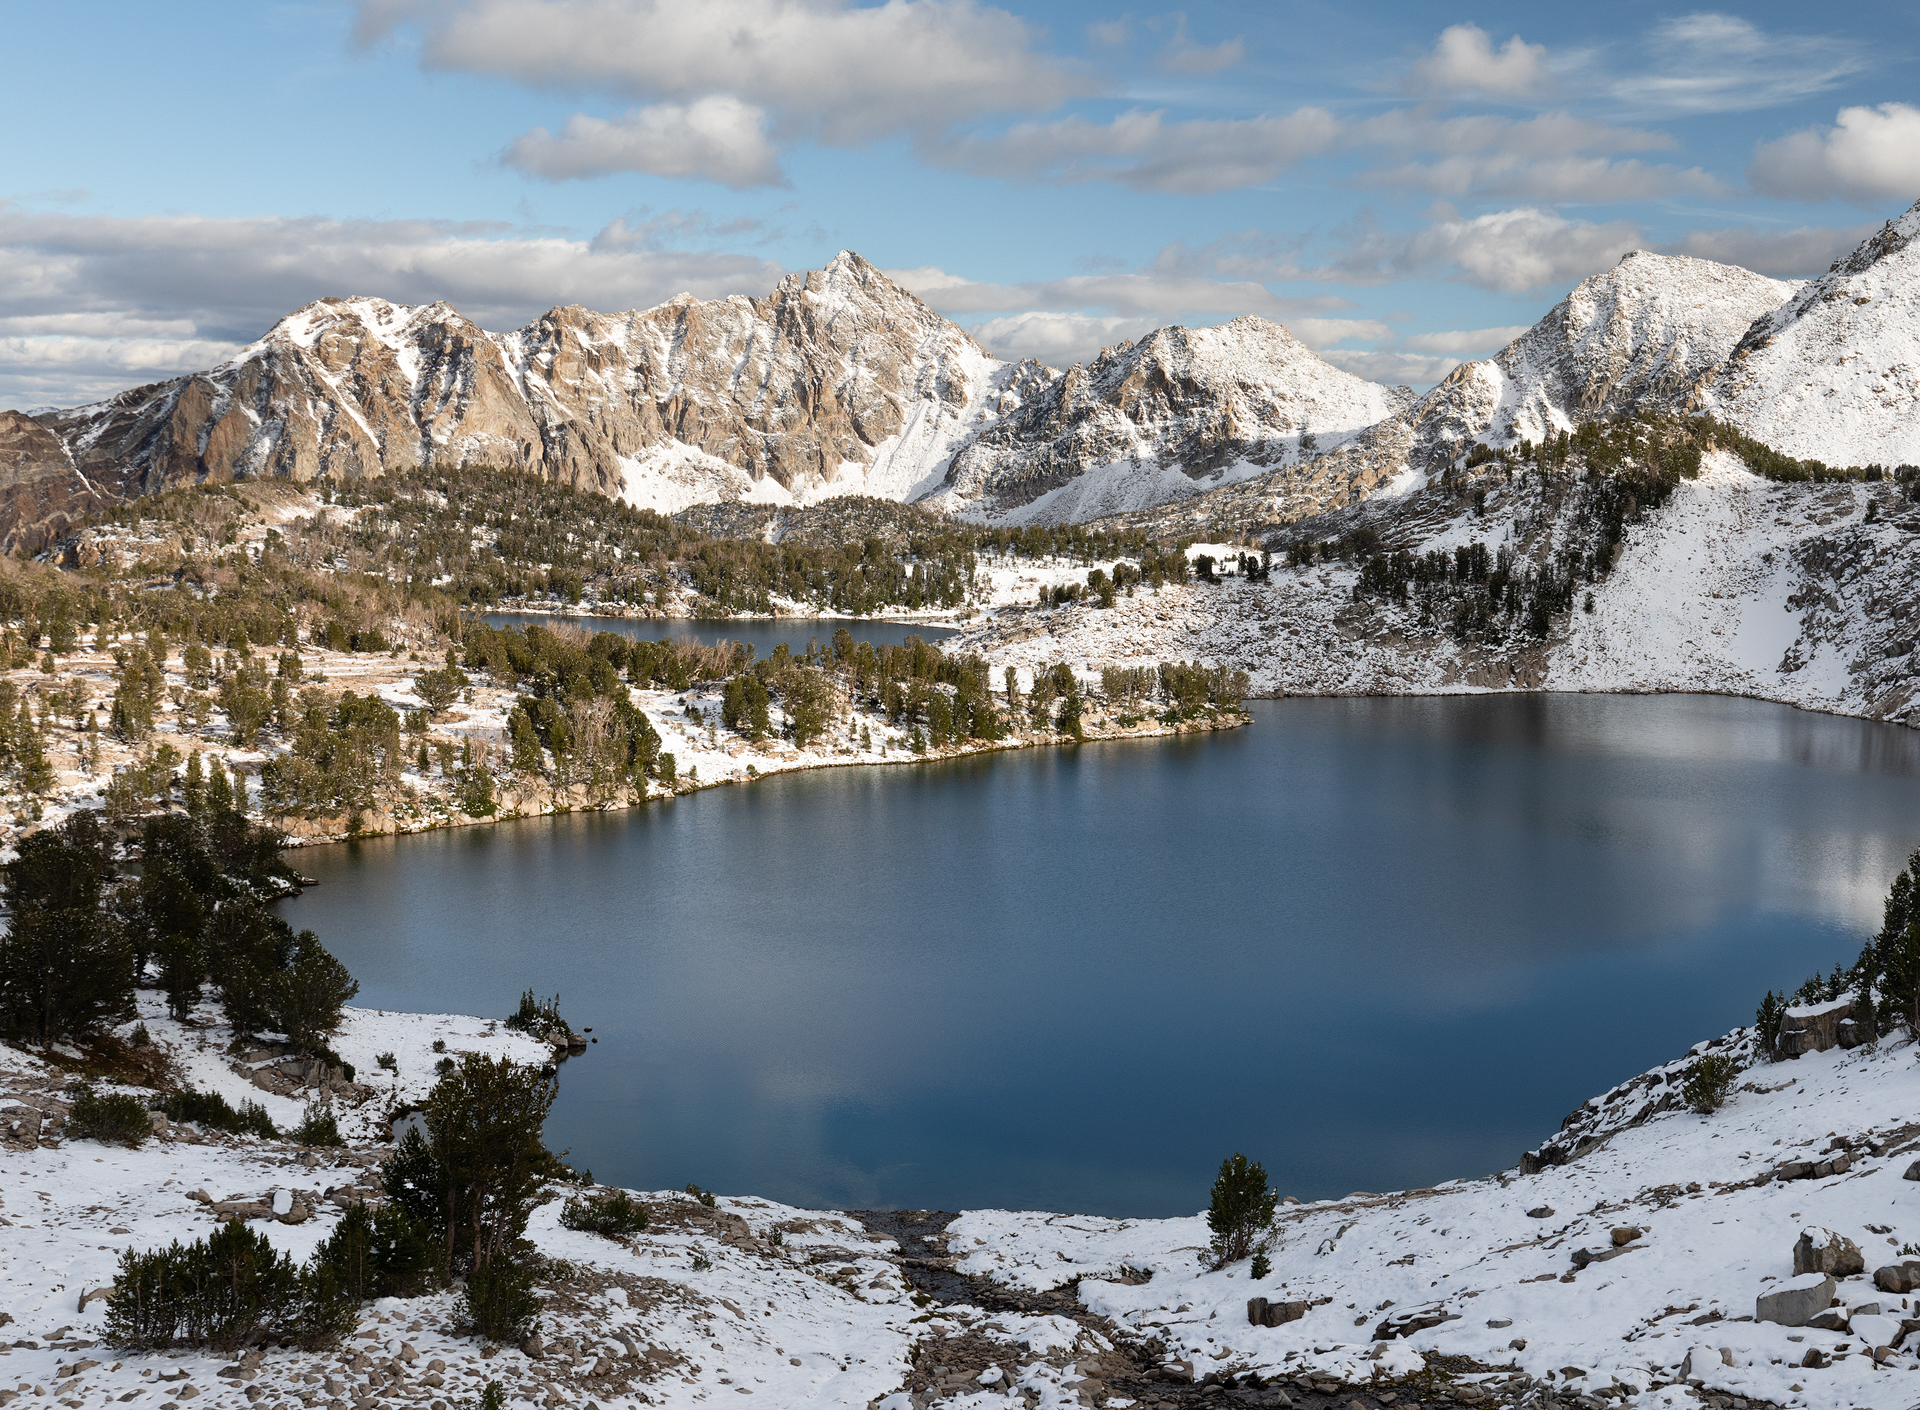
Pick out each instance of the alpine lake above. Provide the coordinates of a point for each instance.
(1375, 943)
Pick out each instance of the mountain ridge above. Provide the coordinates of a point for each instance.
(840, 381)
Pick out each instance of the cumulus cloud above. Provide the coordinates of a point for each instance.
(1056, 337)
(718, 138)
(1464, 340)
(1147, 152)
(1552, 157)
(1783, 254)
(1463, 60)
(1715, 63)
(1510, 251)
(1161, 293)
(821, 69)
(1184, 55)
(1392, 368)
(91, 303)
(1869, 155)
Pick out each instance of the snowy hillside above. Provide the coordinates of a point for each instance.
(1786, 592)
(1834, 374)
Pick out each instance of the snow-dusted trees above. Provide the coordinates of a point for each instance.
(474, 1179)
(66, 968)
(1240, 1213)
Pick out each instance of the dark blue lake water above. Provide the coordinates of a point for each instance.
(1375, 943)
(761, 633)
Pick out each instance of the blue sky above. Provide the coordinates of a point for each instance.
(1404, 186)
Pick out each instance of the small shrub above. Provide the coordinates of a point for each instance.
(140, 1038)
(1708, 1081)
(704, 1196)
(225, 1292)
(492, 1397)
(1240, 1214)
(701, 1263)
(386, 1062)
(617, 1214)
(317, 1128)
(1262, 1265)
(115, 1118)
(209, 1111)
(500, 1302)
(444, 1067)
(439, 1045)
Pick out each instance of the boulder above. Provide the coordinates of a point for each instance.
(1823, 1251)
(1280, 1313)
(1898, 1277)
(1812, 1028)
(1834, 1319)
(1913, 1171)
(1874, 1330)
(1545, 1212)
(1412, 1319)
(1625, 1236)
(1795, 1303)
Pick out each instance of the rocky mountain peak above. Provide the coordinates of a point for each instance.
(1833, 374)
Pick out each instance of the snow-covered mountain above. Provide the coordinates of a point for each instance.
(1834, 373)
(842, 382)
(838, 382)
(1178, 412)
(1642, 337)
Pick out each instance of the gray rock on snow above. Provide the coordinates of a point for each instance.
(1898, 1277)
(1823, 1251)
(1797, 1302)
(1913, 1171)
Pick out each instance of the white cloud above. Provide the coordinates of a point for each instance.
(719, 138)
(1510, 251)
(1161, 293)
(819, 69)
(1184, 55)
(91, 303)
(1517, 250)
(1324, 332)
(1056, 337)
(1463, 60)
(1464, 340)
(1868, 156)
(1714, 63)
(1392, 368)
(1144, 151)
(1783, 254)
(1552, 157)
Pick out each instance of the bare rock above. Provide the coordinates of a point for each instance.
(1823, 1251)
(1796, 1303)
(1901, 1277)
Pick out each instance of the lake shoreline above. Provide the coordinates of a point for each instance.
(303, 832)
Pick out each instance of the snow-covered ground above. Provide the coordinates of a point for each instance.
(807, 1307)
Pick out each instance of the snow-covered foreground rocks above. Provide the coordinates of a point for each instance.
(1544, 1275)
(800, 1306)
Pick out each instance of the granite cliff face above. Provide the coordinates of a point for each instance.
(838, 380)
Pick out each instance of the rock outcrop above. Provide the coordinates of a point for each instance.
(41, 490)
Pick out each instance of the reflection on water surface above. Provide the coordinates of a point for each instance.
(1376, 943)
